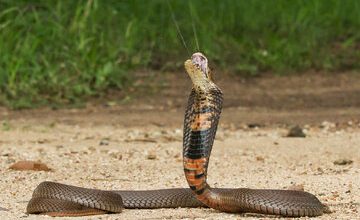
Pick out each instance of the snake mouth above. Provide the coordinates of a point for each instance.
(200, 61)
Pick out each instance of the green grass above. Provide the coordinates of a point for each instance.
(61, 52)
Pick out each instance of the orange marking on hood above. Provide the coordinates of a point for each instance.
(201, 122)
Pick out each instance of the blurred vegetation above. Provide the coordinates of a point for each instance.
(64, 51)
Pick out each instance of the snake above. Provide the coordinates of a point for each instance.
(201, 119)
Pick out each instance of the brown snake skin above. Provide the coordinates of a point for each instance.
(200, 125)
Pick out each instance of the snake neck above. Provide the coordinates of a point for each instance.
(201, 120)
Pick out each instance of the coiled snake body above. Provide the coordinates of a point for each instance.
(200, 125)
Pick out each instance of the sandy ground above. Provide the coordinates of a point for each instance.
(139, 147)
(111, 157)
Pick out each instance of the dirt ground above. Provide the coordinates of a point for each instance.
(136, 143)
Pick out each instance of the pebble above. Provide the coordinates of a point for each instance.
(29, 165)
(342, 162)
(296, 131)
(260, 158)
(151, 156)
(104, 142)
(254, 125)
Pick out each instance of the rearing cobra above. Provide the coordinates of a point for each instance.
(200, 125)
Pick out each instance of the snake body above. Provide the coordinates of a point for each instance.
(200, 124)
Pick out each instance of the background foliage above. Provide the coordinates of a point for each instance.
(64, 51)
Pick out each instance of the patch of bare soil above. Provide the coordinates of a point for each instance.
(159, 99)
(137, 144)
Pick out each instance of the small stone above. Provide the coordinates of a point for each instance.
(151, 156)
(254, 125)
(296, 131)
(342, 162)
(29, 165)
(42, 141)
(260, 158)
(104, 142)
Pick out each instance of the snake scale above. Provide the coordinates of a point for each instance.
(200, 124)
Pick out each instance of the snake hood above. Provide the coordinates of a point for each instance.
(199, 72)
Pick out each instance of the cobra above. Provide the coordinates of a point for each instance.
(200, 125)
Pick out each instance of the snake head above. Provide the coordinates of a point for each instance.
(198, 70)
(201, 62)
